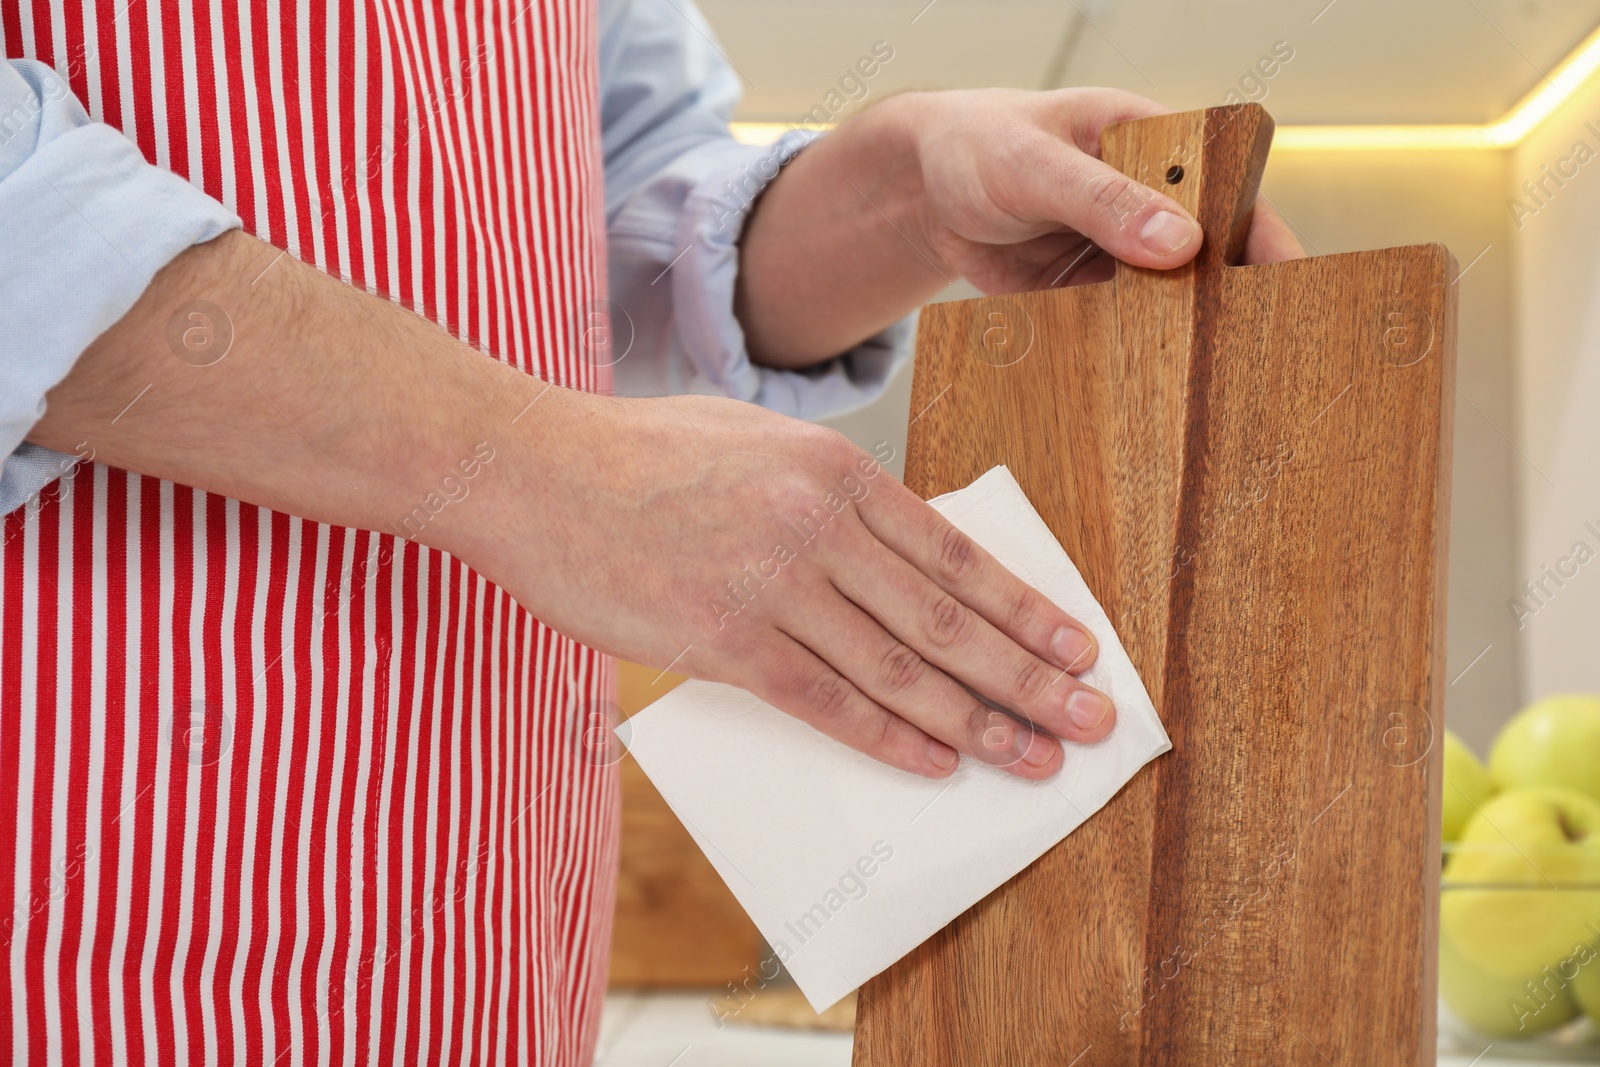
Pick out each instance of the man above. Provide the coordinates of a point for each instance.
(297, 672)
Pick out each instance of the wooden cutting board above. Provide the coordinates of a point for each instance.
(1251, 467)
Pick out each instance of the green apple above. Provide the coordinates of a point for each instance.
(1555, 741)
(1586, 986)
(1466, 785)
(1522, 887)
(1498, 1007)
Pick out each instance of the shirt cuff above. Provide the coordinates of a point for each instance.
(703, 281)
(86, 223)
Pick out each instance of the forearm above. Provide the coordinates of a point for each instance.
(623, 524)
(838, 230)
(328, 403)
(1001, 187)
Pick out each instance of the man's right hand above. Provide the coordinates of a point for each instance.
(731, 543)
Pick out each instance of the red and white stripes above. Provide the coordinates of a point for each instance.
(273, 791)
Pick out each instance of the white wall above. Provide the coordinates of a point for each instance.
(1557, 282)
(1343, 202)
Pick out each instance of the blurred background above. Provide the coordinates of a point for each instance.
(1471, 133)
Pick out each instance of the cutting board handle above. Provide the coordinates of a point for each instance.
(1209, 161)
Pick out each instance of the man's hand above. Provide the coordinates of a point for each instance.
(1016, 196)
(622, 523)
(731, 543)
(999, 186)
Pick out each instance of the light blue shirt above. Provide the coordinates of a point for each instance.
(85, 223)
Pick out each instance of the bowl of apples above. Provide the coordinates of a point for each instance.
(1519, 910)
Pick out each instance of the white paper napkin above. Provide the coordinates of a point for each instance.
(845, 864)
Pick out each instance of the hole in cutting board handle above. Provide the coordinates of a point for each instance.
(1208, 161)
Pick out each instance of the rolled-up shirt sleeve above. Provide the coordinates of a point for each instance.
(85, 223)
(679, 188)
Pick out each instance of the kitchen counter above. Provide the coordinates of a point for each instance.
(679, 1030)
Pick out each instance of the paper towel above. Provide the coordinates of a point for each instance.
(845, 864)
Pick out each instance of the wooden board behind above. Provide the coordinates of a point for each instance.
(677, 924)
(1250, 467)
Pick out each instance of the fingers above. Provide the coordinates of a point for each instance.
(913, 530)
(1270, 240)
(1070, 184)
(1082, 113)
(894, 676)
(980, 624)
(1117, 213)
(958, 640)
(1124, 217)
(794, 680)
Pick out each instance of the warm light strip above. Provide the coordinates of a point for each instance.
(767, 132)
(1579, 66)
(1573, 71)
(1385, 138)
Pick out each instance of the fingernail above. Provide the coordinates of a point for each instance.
(1087, 709)
(942, 755)
(1071, 647)
(1039, 751)
(1164, 233)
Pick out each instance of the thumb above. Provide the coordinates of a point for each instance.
(1123, 216)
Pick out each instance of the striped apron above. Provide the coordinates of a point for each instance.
(273, 791)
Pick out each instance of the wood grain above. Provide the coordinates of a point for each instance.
(1250, 466)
